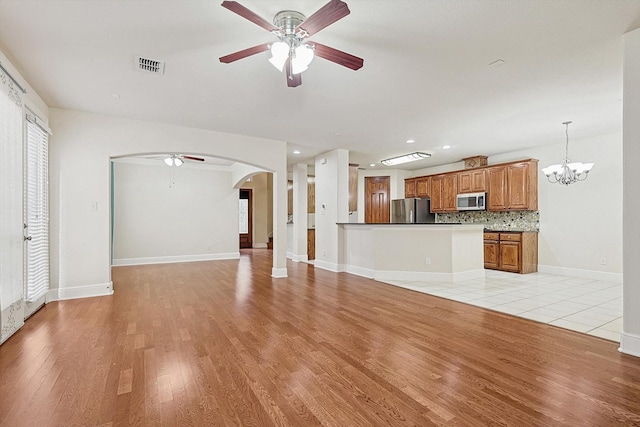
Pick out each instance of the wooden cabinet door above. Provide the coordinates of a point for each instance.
(449, 192)
(491, 254)
(353, 187)
(423, 186)
(497, 188)
(377, 206)
(465, 182)
(518, 181)
(410, 187)
(510, 259)
(311, 194)
(290, 197)
(437, 200)
(311, 244)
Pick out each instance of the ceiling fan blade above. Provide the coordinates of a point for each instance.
(239, 9)
(293, 80)
(339, 57)
(199, 159)
(244, 53)
(325, 16)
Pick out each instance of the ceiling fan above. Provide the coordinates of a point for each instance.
(292, 52)
(179, 159)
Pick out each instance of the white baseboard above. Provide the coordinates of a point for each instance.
(278, 273)
(289, 255)
(259, 246)
(425, 276)
(360, 271)
(336, 268)
(630, 344)
(99, 290)
(300, 258)
(173, 259)
(583, 274)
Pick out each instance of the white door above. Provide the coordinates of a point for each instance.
(36, 215)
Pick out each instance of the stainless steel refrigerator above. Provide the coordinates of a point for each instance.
(412, 211)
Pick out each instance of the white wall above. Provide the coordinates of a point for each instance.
(80, 152)
(164, 214)
(582, 223)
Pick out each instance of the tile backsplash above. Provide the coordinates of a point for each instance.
(498, 221)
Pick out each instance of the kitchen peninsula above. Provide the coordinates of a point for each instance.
(442, 252)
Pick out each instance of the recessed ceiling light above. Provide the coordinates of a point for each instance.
(372, 165)
(296, 152)
(410, 141)
(446, 147)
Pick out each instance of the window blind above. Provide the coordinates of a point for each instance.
(36, 209)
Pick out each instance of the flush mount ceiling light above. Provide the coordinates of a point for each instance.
(568, 172)
(173, 160)
(412, 157)
(292, 52)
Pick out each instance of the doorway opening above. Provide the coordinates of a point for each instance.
(245, 225)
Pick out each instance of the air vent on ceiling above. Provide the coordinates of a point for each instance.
(149, 65)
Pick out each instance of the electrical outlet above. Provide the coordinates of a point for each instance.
(427, 261)
(603, 261)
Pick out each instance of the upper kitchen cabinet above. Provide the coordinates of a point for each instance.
(353, 187)
(423, 186)
(472, 181)
(513, 186)
(444, 189)
(410, 187)
(311, 194)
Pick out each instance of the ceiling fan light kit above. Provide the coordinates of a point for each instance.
(291, 53)
(173, 160)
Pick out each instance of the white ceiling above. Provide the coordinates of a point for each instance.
(425, 76)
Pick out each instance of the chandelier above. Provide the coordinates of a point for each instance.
(568, 172)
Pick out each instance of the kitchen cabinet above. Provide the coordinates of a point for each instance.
(511, 251)
(410, 187)
(311, 194)
(444, 189)
(353, 187)
(513, 186)
(423, 186)
(472, 181)
(492, 250)
(311, 244)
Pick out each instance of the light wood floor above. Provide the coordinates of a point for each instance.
(222, 343)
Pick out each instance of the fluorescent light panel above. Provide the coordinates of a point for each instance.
(412, 157)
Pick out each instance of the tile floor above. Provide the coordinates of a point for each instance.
(584, 305)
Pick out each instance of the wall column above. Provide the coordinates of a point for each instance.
(630, 337)
(332, 207)
(300, 209)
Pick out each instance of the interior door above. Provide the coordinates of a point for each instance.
(245, 209)
(377, 208)
(36, 216)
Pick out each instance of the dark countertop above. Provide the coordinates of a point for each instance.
(488, 230)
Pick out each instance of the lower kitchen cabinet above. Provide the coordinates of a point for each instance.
(311, 244)
(511, 251)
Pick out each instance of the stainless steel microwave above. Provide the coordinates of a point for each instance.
(471, 202)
